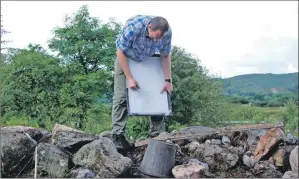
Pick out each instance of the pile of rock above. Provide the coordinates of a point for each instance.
(258, 153)
(68, 153)
(65, 152)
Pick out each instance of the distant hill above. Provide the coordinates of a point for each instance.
(262, 84)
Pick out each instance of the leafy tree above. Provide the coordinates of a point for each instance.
(87, 41)
(3, 32)
(79, 94)
(196, 95)
(86, 47)
(30, 84)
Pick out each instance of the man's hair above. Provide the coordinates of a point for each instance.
(159, 23)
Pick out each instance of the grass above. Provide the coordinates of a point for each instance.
(253, 114)
(246, 114)
(138, 127)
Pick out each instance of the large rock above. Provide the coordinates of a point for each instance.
(102, 158)
(216, 157)
(17, 145)
(268, 141)
(60, 127)
(290, 174)
(52, 161)
(71, 139)
(294, 159)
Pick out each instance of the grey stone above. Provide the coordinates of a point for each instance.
(291, 139)
(17, 145)
(294, 159)
(102, 157)
(192, 170)
(216, 157)
(225, 140)
(71, 139)
(290, 174)
(248, 161)
(52, 160)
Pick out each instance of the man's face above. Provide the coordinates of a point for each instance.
(156, 35)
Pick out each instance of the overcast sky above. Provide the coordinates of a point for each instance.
(229, 37)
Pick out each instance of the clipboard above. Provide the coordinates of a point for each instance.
(148, 101)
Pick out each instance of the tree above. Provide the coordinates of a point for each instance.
(196, 95)
(87, 41)
(86, 47)
(30, 84)
(3, 32)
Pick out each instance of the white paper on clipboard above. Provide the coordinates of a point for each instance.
(148, 100)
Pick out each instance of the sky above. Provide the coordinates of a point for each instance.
(229, 37)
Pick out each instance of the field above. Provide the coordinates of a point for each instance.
(245, 113)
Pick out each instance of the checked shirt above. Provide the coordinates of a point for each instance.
(135, 43)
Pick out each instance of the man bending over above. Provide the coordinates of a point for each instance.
(142, 37)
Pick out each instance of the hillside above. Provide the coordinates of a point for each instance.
(262, 83)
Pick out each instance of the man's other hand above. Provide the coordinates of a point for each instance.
(167, 87)
(133, 84)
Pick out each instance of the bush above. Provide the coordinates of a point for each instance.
(290, 116)
(175, 126)
(137, 127)
(98, 119)
(18, 120)
(197, 96)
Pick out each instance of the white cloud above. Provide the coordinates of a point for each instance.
(291, 68)
(219, 33)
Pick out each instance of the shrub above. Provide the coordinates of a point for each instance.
(290, 116)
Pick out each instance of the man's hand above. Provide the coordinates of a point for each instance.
(133, 84)
(167, 87)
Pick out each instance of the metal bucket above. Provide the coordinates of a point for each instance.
(159, 159)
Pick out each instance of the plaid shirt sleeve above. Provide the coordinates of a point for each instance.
(126, 37)
(167, 45)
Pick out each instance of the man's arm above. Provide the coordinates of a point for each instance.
(166, 64)
(166, 57)
(123, 43)
(122, 58)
